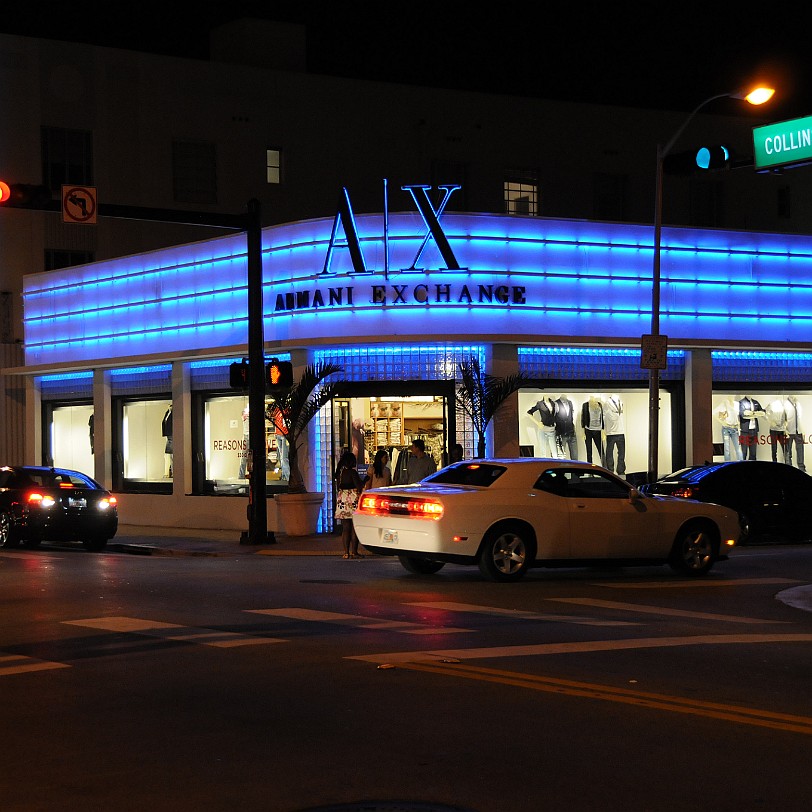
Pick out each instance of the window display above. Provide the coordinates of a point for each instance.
(767, 426)
(71, 437)
(145, 446)
(593, 426)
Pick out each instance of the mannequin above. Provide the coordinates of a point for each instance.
(749, 412)
(727, 414)
(592, 424)
(281, 439)
(166, 431)
(546, 428)
(614, 421)
(357, 445)
(564, 420)
(777, 412)
(90, 433)
(245, 443)
(795, 432)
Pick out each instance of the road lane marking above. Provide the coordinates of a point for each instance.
(694, 582)
(513, 614)
(18, 664)
(659, 610)
(786, 722)
(357, 621)
(173, 632)
(587, 646)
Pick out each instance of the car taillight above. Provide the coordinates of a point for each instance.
(108, 502)
(686, 492)
(41, 499)
(380, 505)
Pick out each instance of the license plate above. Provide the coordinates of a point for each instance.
(77, 503)
(390, 536)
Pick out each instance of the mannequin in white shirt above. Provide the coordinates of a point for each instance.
(614, 421)
(727, 414)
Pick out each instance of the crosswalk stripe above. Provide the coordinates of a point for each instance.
(542, 649)
(357, 621)
(513, 614)
(659, 610)
(173, 631)
(18, 664)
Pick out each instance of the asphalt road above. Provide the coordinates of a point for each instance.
(285, 683)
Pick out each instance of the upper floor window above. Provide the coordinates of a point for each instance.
(522, 192)
(57, 258)
(273, 165)
(194, 172)
(609, 195)
(67, 157)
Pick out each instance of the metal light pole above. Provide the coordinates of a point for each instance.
(757, 96)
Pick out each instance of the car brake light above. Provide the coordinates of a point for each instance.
(107, 502)
(41, 499)
(686, 492)
(379, 505)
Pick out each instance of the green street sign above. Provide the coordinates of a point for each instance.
(787, 143)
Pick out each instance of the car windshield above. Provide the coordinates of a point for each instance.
(468, 473)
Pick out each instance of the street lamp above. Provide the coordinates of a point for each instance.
(759, 95)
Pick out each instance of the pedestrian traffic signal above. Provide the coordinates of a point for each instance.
(25, 196)
(238, 375)
(702, 159)
(279, 375)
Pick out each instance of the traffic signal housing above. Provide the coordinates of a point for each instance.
(279, 375)
(25, 196)
(701, 159)
(238, 375)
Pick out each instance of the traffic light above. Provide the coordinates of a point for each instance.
(279, 375)
(25, 196)
(702, 159)
(238, 375)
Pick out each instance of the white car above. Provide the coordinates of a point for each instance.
(508, 515)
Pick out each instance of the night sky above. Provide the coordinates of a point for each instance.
(632, 54)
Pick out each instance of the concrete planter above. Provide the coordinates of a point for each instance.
(298, 513)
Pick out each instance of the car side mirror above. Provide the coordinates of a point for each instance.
(634, 495)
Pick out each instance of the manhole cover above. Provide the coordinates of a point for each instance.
(324, 581)
(387, 806)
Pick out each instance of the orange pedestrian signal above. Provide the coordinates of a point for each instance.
(279, 375)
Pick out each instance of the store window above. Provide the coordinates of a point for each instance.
(70, 437)
(609, 428)
(145, 453)
(762, 425)
(223, 434)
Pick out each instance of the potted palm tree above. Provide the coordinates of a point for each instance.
(480, 395)
(299, 509)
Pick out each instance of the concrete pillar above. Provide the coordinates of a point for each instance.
(102, 429)
(182, 463)
(33, 422)
(698, 406)
(502, 438)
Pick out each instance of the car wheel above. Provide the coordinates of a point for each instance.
(95, 544)
(507, 553)
(420, 566)
(8, 538)
(695, 550)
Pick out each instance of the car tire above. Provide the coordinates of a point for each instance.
(8, 537)
(507, 552)
(695, 549)
(95, 544)
(420, 566)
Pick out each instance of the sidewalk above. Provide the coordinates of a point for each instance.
(138, 540)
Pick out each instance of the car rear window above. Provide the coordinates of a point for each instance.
(477, 474)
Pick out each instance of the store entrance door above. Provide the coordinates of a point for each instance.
(392, 414)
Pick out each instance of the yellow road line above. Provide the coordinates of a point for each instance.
(713, 710)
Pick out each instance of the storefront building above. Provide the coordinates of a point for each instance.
(127, 361)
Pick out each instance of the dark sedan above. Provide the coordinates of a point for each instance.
(773, 500)
(54, 504)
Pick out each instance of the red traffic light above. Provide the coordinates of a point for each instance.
(26, 196)
(5, 191)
